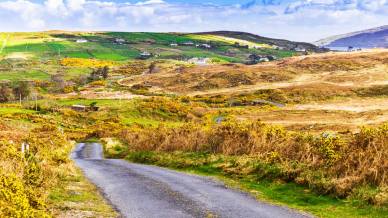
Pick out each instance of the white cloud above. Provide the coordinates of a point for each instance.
(56, 7)
(304, 20)
(151, 2)
(75, 5)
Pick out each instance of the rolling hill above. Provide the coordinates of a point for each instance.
(288, 45)
(371, 38)
(233, 47)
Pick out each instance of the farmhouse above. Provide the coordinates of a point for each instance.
(188, 43)
(83, 108)
(299, 49)
(207, 46)
(77, 107)
(199, 61)
(145, 55)
(254, 59)
(81, 41)
(173, 44)
(119, 40)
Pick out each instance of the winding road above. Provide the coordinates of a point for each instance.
(142, 191)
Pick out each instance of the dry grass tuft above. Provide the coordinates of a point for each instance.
(327, 163)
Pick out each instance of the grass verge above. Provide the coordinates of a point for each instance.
(77, 197)
(273, 191)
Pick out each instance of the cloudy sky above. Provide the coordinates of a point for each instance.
(302, 20)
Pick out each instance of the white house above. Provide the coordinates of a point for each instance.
(145, 55)
(81, 41)
(119, 40)
(263, 59)
(204, 46)
(188, 43)
(199, 61)
(299, 49)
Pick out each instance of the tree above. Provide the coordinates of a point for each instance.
(5, 93)
(105, 72)
(58, 81)
(21, 89)
(153, 68)
(99, 73)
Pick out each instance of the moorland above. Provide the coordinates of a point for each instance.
(288, 122)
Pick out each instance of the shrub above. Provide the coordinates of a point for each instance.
(98, 83)
(82, 62)
(21, 89)
(26, 178)
(5, 93)
(326, 163)
(68, 89)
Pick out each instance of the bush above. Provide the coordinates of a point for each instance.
(5, 93)
(82, 62)
(98, 83)
(326, 163)
(26, 178)
(21, 89)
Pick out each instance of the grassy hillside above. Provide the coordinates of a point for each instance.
(103, 45)
(336, 69)
(37, 55)
(288, 45)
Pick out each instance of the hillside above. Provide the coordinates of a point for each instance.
(344, 70)
(371, 38)
(121, 46)
(288, 45)
(287, 130)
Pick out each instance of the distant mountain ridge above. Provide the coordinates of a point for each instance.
(370, 38)
(286, 44)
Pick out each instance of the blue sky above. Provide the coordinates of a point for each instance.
(301, 20)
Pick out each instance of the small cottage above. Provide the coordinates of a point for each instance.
(199, 61)
(81, 41)
(207, 46)
(145, 55)
(80, 108)
(83, 108)
(119, 41)
(188, 43)
(300, 49)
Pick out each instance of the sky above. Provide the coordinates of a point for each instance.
(298, 20)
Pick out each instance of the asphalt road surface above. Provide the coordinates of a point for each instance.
(142, 191)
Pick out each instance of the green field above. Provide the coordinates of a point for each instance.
(37, 56)
(102, 46)
(25, 75)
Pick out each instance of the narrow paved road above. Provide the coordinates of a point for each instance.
(142, 191)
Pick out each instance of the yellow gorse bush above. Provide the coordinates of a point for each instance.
(26, 178)
(14, 201)
(327, 163)
(82, 62)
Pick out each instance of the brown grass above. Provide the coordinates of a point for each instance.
(326, 163)
(346, 69)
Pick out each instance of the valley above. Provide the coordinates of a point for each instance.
(289, 123)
